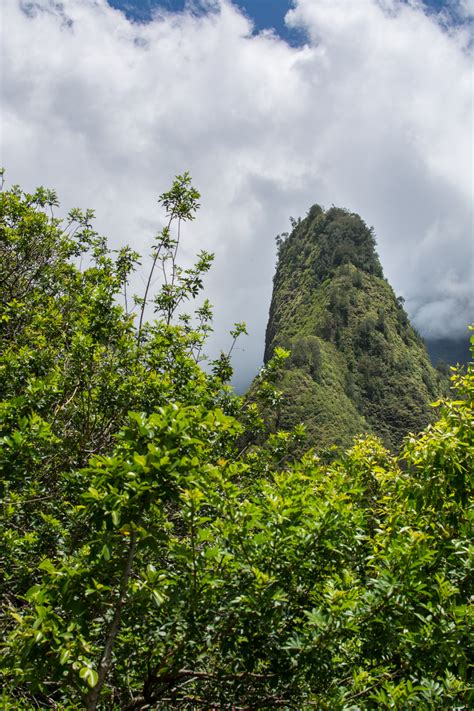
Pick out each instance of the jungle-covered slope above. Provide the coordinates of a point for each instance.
(356, 364)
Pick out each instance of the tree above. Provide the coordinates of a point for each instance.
(150, 560)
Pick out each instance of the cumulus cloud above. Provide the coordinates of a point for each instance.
(466, 8)
(373, 113)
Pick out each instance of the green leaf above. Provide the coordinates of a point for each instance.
(64, 656)
(89, 675)
(158, 598)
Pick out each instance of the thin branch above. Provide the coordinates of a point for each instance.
(145, 296)
(92, 697)
(28, 501)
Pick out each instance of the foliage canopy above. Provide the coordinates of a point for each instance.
(154, 556)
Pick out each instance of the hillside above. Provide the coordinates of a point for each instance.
(356, 363)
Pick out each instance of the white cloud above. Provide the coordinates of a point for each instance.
(374, 114)
(466, 8)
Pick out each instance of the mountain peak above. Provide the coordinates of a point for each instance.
(326, 239)
(357, 365)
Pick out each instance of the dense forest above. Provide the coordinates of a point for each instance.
(163, 544)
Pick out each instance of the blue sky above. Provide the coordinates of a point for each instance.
(265, 14)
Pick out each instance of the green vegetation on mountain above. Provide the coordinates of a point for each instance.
(148, 560)
(356, 363)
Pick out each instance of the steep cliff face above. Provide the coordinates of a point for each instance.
(356, 363)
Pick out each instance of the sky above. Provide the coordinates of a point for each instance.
(264, 14)
(271, 106)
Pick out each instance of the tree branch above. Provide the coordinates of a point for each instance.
(105, 662)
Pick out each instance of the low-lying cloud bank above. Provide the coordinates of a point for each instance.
(374, 113)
